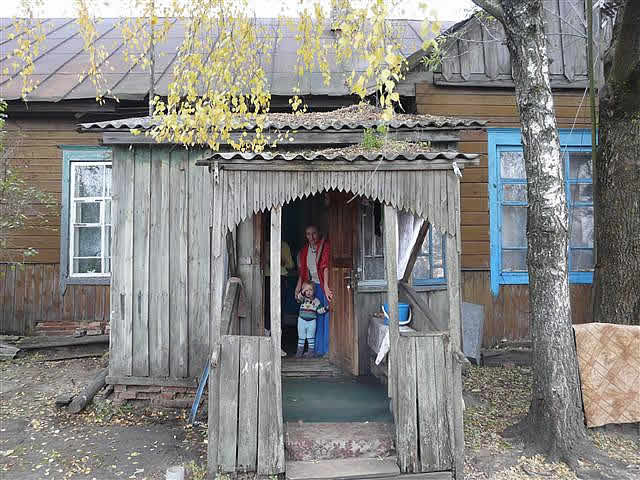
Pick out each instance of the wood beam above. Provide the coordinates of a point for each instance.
(276, 328)
(415, 250)
(390, 223)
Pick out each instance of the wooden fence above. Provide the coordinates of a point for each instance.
(31, 301)
(425, 422)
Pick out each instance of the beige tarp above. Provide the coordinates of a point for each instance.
(609, 362)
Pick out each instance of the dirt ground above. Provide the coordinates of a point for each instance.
(40, 441)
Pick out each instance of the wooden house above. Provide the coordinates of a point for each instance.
(473, 82)
(187, 273)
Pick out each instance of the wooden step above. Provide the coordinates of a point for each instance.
(309, 367)
(346, 468)
(310, 442)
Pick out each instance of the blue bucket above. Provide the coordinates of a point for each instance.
(404, 313)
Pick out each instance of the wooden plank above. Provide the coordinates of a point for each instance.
(122, 274)
(232, 293)
(391, 266)
(228, 397)
(248, 404)
(268, 435)
(141, 205)
(199, 194)
(159, 267)
(178, 281)
(405, 403)
(343, 468)
(452, 246)
(276, 332)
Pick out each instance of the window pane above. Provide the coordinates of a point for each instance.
(581, 260)
(87, 265)
(367, 224)
(107, 212)
(438, 255)
(374, 268)
(582, 192)
(514, 260)
(87, 242)
(514, 226)
(378, 242)
(512, 165)
(88, 212)
(579, 164)
(107, 181)
(515, 193)
(422, 270)
(107, 233)
(581, 222)
(88, 181)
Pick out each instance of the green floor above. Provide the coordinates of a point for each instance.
(346, 399)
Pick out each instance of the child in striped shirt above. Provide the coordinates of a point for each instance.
(310, 308)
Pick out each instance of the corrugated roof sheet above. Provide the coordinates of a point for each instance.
(355, 117)
(336, 155)
(59, 68)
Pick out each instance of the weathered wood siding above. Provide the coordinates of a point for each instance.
(506, 316)
(31, 301)
(33, 151)
(160, 278)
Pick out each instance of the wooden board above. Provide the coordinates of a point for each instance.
(248, 404)
(268, 431)
(228, 397)
(405, 404)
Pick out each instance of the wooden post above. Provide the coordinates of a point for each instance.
(276, 329)
(452, 241)
(218, 231)
(391, 263)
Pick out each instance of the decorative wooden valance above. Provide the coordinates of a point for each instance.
(238, 194)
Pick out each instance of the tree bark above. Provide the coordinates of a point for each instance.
(81, 400)
(617, 173)
(555, 421)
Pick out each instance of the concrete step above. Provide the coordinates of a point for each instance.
(329, 441)
(346, 468)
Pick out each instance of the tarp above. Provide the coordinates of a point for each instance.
(609, 363)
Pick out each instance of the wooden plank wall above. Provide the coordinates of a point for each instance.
(506, 316)
(31, 301)
(160, 279)
(35, 154)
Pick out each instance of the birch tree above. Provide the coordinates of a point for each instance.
(555, 421)
(617, 174)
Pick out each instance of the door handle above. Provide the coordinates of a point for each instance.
(348, 281)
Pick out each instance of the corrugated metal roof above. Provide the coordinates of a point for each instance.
(355, 117)
(336, 155)
(59, 68)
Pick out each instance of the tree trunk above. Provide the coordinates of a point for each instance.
(555, 421)
(617, 174)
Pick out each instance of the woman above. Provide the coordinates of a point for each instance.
(313, 264)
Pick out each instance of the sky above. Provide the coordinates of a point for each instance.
(444, 9)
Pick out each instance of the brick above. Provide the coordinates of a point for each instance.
(174, 389)
(119, 388)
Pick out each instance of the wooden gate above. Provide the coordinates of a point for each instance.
(424, 403)
(249, 423)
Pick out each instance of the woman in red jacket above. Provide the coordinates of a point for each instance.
(313, 265)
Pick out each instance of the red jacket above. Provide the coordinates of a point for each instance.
(322, 261)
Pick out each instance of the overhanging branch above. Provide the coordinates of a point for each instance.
(491, 8)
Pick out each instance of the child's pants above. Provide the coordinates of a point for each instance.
(306, 330)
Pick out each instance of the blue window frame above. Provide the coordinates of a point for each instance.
(508, 206)
(85, 224)
(430, 266)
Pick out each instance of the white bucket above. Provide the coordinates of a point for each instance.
(175, 473)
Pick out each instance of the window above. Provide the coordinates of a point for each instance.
(508, 204)
(86, 215)
(429, 268)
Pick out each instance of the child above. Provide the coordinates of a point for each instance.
(310, 308)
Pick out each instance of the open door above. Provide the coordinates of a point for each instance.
(342, 230)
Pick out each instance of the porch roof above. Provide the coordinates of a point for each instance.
(354, 117)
